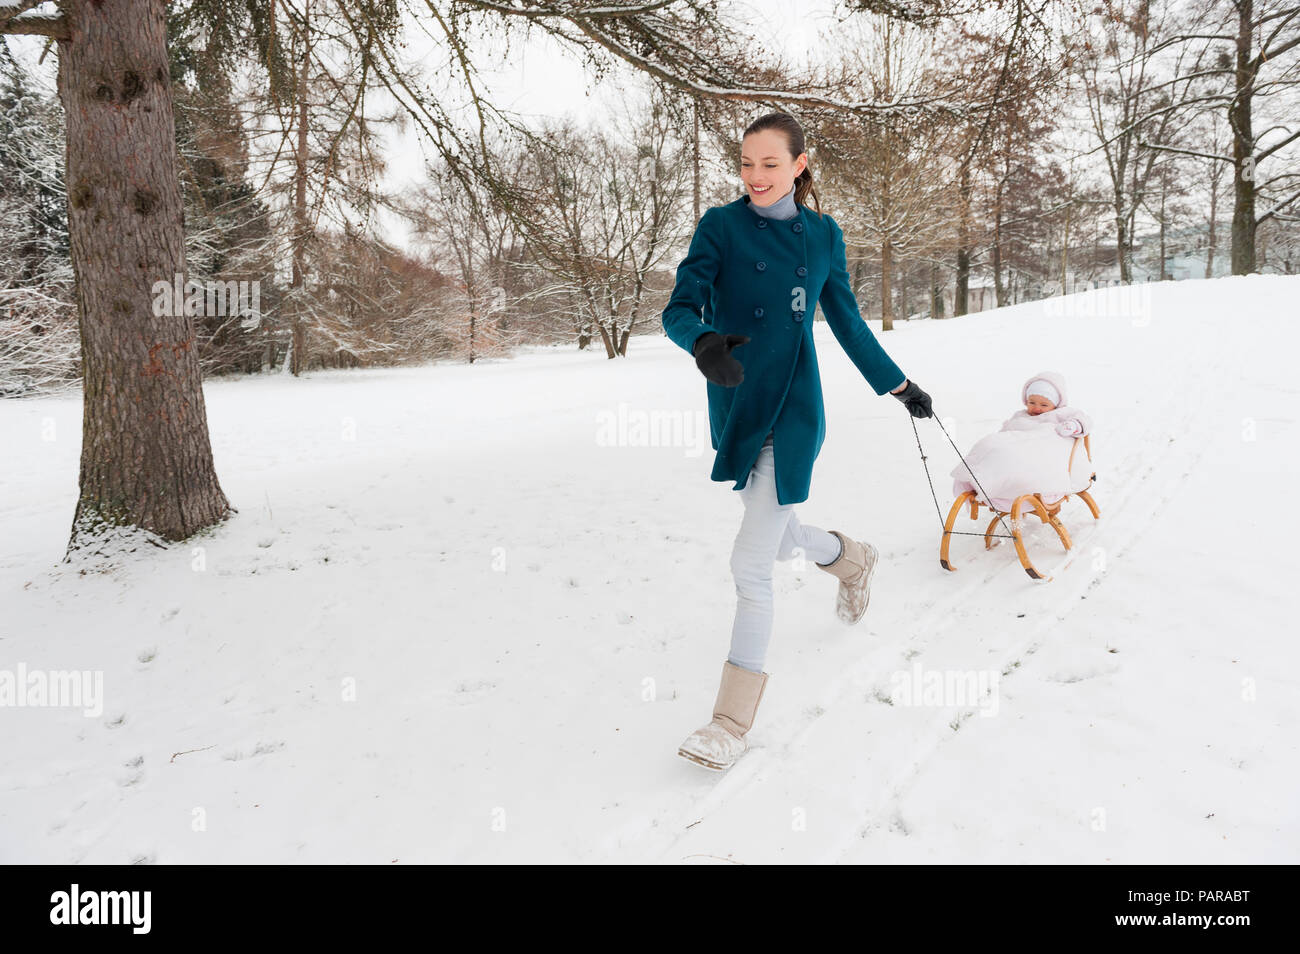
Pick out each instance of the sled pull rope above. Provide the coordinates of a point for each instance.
(930, 481)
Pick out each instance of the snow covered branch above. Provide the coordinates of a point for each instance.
(20, 18)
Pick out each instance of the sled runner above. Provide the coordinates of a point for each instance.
(1026, 504)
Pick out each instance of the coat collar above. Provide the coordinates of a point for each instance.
(744, 201)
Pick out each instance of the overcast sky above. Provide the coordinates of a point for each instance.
(538, 78)
(543, 79)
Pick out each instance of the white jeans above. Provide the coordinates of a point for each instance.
(769, 532)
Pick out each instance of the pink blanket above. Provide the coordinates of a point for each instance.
(1026, 456)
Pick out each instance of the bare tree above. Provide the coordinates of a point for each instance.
(39, 344)
(1213, 133)
(891, 177)
(1018, 168)
(1248, 57)
(228, 226)
(1000, 57)
(317, 150)
(467, 230)
(608, 207)
(1130, 90)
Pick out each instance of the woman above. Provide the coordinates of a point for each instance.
(756, 269)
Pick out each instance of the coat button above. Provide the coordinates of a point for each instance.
(797, 316)
(798, 227)
(801, 271)
(762, 223)
(760, 265)
(758, 312)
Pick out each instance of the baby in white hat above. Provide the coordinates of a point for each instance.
(1044, 393)
(1027, 455)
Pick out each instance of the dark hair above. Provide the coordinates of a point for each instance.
(784, 122)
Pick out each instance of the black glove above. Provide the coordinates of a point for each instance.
(915, 400)
(713, 358)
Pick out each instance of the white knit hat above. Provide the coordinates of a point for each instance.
(1043, 389)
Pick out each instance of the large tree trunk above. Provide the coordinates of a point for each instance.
(961, 296)
(1164, 247)
(961, 293)
(1065, 251)
(1243, 148)
(298, 281)
(999, 286)
(695, 161)
(886, 286)
(1123, 251)
(611, 350)
(1214, 218)
(904, 304)
(146, 458)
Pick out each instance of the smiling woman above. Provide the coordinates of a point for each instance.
(755, 270)
(772, 165)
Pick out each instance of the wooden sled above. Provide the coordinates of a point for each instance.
(1027, 504)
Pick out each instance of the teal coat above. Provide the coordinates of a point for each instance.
(748, 275)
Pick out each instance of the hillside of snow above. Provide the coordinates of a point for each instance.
(468, 613)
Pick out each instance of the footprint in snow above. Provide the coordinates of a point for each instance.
(131, 778)
(470, 692)
(262, 748)
(1080, 673)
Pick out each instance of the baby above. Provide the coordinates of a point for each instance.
(1031, 451)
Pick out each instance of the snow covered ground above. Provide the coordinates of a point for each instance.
(466, 614)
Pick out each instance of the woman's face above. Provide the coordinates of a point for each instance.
(767, 167)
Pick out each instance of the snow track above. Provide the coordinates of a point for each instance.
(782, 778)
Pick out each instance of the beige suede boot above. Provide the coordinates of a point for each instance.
(853, 568)
(718, 744)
